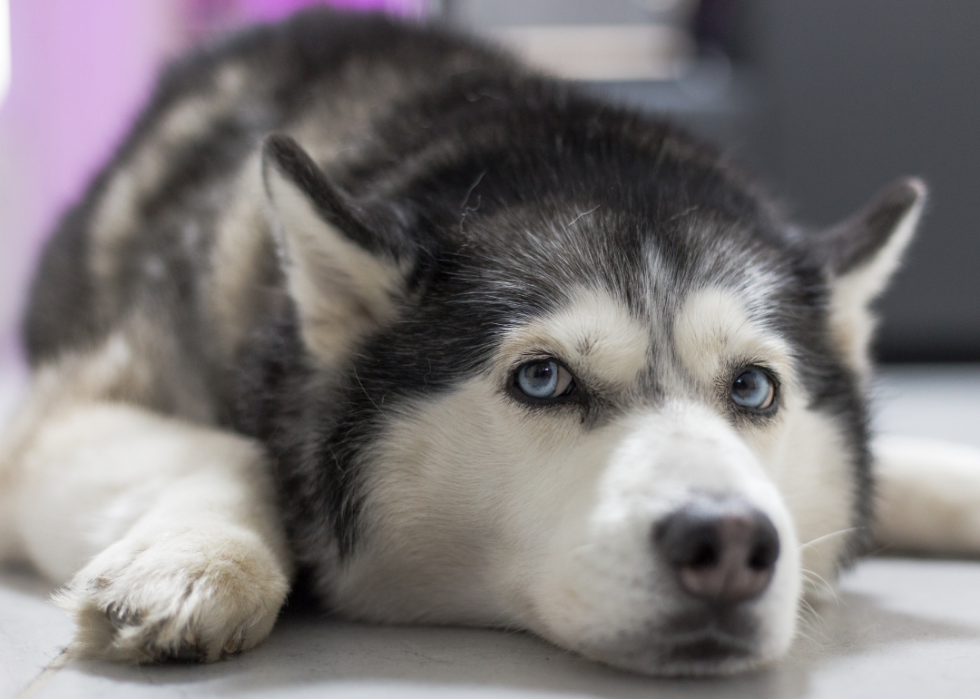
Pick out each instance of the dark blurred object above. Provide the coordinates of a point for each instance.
(858, 93)
(717, 27)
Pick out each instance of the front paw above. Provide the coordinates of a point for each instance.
(181, 597)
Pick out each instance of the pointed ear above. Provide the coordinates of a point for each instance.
(861, 255)
(342, 274)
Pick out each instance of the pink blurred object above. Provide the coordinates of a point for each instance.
(80, 73)
(209, 16)
(83, 69)
(276, 9)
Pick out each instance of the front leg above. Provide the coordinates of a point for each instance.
(928, 496)
(173, 526)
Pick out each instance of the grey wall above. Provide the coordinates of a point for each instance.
(857, 92)
(481, 14)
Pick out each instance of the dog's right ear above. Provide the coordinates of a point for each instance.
(342, 274)
(860, 255)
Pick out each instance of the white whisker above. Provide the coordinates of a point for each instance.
(830, 588)
(813, 542)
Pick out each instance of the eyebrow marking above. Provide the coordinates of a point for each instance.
(594, 332)
(586, 344)
(713, 328)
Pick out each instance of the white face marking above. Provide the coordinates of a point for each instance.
(801, 450)
(812, 468)
(661, 459)
(481, 511)
(593, 333)
(714, 327)
(470, 485)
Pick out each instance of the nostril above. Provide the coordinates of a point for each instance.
(689, 541)
(762, 557)
(722, 550)
(764, 550)
(704, 554)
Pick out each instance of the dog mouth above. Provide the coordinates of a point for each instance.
(706, 656)
(711, 640)
(690, 646)
(695, 656)
(709, 648)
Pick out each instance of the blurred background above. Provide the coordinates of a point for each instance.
(825, 101)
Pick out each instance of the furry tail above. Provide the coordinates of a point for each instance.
(928, 496)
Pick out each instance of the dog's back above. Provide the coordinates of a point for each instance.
(171, 246)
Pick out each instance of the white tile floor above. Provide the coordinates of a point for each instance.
(901, 628)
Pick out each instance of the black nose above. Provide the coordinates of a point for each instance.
(721, 550)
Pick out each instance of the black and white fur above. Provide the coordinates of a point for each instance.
(278, 338)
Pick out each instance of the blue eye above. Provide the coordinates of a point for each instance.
(544, 379)
(754, 389)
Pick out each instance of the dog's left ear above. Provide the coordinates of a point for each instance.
(861, 254)
(344, 266)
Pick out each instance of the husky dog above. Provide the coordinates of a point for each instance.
(377, 308)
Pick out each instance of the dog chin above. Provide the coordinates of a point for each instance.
(694, 655)
(693, 645)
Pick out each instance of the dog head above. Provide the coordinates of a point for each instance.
(573, 374)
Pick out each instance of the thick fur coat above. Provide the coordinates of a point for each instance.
(303, 325)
